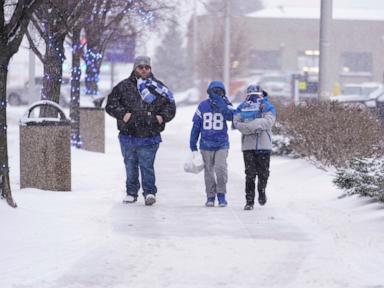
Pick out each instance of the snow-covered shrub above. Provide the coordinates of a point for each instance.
(281, 142)
(364, 176)
(332, 133)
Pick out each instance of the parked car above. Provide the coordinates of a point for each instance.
(276, 84)
(19, 95)
(364, 93)
(190, 96)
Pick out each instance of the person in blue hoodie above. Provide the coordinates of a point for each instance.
(254, 118)
(209, 123)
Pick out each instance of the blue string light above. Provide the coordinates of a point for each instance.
(3, 105)
(91, 59)
(76, 141)
(4, 168)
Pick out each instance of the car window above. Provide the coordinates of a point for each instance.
(65, 81)
(39, 81)
(351, 90)
(366, 91)
(359, 90)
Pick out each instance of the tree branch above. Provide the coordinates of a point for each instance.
(107, 9)
(2, 18)
(36, 24)
(14, 23)
(119, 17)
(21, 16)
(34, 48)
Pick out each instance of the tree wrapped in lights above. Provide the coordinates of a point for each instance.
(77, 49)
(53, 21)
(14, 19)
(82, 49)
(104, 23)
(110, 21)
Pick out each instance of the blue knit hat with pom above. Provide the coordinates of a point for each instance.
(254, 89)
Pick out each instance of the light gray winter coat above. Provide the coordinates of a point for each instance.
(256, 134)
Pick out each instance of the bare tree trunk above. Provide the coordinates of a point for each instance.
(5, 186)
(53, 73)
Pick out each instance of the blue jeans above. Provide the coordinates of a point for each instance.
(142, 157)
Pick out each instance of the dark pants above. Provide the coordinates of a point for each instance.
(142, 157)
(255, 165)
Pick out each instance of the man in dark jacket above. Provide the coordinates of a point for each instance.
(142, 105)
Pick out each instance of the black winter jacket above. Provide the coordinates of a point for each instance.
(125, 98)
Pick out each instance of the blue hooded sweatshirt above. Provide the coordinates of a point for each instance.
(209, 121)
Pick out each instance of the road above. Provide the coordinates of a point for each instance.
(304, 237)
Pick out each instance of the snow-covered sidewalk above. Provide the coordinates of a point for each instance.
(304, 237)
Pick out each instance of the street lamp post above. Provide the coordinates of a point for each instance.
(325, 80)
(227, 46)
(194, 45)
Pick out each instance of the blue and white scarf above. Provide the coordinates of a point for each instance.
(147, 96)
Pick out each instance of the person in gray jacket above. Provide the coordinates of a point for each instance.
(254, 118)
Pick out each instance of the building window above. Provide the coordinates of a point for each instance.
(265, 59)
(356, 62)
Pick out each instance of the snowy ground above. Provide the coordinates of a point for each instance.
(304, 237)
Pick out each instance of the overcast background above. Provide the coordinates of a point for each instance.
(366, 4)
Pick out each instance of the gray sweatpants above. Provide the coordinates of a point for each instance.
(215, 171)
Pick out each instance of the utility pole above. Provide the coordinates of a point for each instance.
(112, 79)
(194, 45)
(227, 46)
(325, 79)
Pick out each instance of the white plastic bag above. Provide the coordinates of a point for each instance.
(194, 163)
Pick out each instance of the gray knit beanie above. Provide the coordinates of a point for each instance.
(141, 60)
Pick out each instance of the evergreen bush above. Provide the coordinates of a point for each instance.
(363, 176)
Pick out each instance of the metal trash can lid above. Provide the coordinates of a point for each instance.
(44, 121)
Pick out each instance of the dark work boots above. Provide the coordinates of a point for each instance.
(248, 206)
(262, 197)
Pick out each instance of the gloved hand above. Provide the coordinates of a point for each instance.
(161, 89)
(149, 83)
(218, 100)
(250, 111)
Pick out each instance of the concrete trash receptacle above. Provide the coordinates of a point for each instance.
(92, 128)
(45, 150)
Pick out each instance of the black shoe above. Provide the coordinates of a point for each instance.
(262, 198)
(210, 202)
(248, 206)
(150, 199)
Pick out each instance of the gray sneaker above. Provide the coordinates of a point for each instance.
(130, 199)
